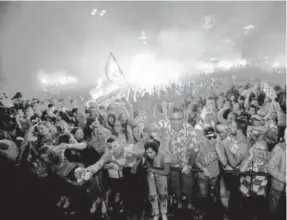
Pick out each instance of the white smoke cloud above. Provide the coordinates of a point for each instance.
(57, 36)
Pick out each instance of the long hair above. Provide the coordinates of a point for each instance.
(114, 119)
(52, 159)
(154, 145)
(125, 129)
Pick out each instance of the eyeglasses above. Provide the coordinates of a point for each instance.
(211, 137)
(176, 119)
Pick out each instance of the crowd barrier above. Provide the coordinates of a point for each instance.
(195, 171)
(237, 173)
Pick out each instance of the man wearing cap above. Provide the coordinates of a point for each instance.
(209, 155)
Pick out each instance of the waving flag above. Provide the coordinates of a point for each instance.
(113, 71)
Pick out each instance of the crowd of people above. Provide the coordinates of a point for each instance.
(193, 150)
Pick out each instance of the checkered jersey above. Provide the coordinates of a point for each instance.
(255, 185)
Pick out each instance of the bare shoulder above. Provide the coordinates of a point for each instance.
(280, 147)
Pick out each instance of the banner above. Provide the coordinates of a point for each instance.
(113, 71)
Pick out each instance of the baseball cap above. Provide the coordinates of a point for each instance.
(209, 131)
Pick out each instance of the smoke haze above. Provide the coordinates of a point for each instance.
(63, 36)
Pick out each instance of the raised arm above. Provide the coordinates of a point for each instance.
(246, 162)
(99, 165)
(220, 152)
(154, 127)
(247, 101)
(220, 117)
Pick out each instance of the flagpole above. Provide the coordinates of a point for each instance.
(120, 70)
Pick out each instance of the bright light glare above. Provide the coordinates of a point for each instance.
(103, 88)
(146, 71)
(248, 27)
(276, 64)
(56, 79)
(221, 65)
(226, 64)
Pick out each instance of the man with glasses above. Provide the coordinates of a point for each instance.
(209, 155)
(179, 145)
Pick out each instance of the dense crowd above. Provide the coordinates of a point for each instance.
(183, 151)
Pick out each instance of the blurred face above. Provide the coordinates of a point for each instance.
(52, 108)
(241, 90)
(112, 146)
(18, 100)
(236, 107)
(188, 98)
(208, 118)
(118, 152)
(94, 112)
(267, 99)
(138, 133)
(118, 127)
(232, 98)
(230, 117)
(58, 117)
(62, 127)
(124, 117)
(36, 120)
(70, 127)
(211, 139)
(177, 121)
(20, 112)
(240, 102)
(35, 106)
(233, 128)
(227, 104)
(150, 153)
(43, 130)
(41, 166)
(256, 122)
(210, 103)
(192, 114)
(223, 135)
(260, 152)
(29, 112)
(252, 111)
(255, 102)
(111, 120)
(220, 102)
(95, 123)
(79, 135)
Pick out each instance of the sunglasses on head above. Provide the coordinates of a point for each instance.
(211, 137)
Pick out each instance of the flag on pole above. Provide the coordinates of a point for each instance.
(113, 71)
